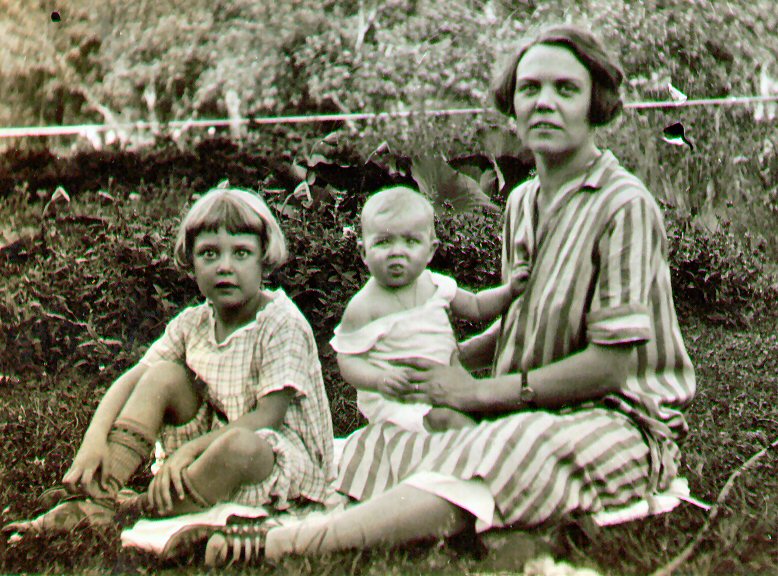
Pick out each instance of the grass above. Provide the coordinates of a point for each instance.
(82, 295)
(733, 416)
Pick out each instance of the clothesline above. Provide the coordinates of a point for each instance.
(75, 129)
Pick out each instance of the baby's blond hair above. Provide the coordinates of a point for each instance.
(395, 201)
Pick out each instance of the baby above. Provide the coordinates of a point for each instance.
(404, 309)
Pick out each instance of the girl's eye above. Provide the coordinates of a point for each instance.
(242, 253)
(207, 253)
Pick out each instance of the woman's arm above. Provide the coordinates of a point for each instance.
(586, 375)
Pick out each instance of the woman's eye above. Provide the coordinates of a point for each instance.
(568, 89)
(526, 89)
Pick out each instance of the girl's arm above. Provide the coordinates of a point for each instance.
(269, 413)
(90, 458)
(489, 304)
(362, 375)
(586, 375)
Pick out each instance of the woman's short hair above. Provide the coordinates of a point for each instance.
(605, 71)
(239, 212)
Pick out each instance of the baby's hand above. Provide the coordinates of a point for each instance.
(518, 281)
(395, 384)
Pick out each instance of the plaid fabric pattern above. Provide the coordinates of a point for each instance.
(275, 351)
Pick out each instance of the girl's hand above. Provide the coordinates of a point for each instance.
(89, 471)
(169, 479)
(441, 385)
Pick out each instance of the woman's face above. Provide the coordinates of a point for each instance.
(552, 100)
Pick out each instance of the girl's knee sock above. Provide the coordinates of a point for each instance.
(129, 444)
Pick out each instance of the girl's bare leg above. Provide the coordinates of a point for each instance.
(403, 514)
(240, 457)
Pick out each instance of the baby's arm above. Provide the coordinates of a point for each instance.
(488, 304)
(362, 375)
(356, 369)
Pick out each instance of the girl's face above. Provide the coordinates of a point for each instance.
(397, 248)
(552, 100)
(228, 270)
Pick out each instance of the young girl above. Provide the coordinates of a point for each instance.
(233, 386)
(403, 311)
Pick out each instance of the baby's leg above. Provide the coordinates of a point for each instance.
(235, 458)
(439, 419)
(164, 393)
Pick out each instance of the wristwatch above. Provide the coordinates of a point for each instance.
(527, 394)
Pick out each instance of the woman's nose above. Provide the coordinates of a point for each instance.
(545, 99)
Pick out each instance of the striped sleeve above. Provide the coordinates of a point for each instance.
(628, 251)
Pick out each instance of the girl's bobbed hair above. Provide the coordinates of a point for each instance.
(605, 71)
(239, 212)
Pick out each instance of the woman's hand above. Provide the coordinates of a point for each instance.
(169, 478)
(89, 471)
(440, 385)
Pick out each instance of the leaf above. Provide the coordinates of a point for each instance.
(446, 188)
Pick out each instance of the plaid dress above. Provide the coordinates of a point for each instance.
(275, 351)
(599, 274)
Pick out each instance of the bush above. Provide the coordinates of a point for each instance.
(90, 283)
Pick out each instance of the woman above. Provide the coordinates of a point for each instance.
(589, 369)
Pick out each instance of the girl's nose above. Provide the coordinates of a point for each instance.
(224, 264)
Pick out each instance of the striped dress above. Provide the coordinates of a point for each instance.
(599, 274)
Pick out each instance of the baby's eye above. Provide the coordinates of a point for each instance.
(413, 241)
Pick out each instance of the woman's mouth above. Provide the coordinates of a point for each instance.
(544, 126)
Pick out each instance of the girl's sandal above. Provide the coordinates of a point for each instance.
(64, 517)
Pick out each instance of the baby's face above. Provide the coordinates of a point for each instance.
(397, 248)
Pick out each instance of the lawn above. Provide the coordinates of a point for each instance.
(87, 283)
(732, 418)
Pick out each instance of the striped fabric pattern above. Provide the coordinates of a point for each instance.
(599, 274)
(275, 351)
